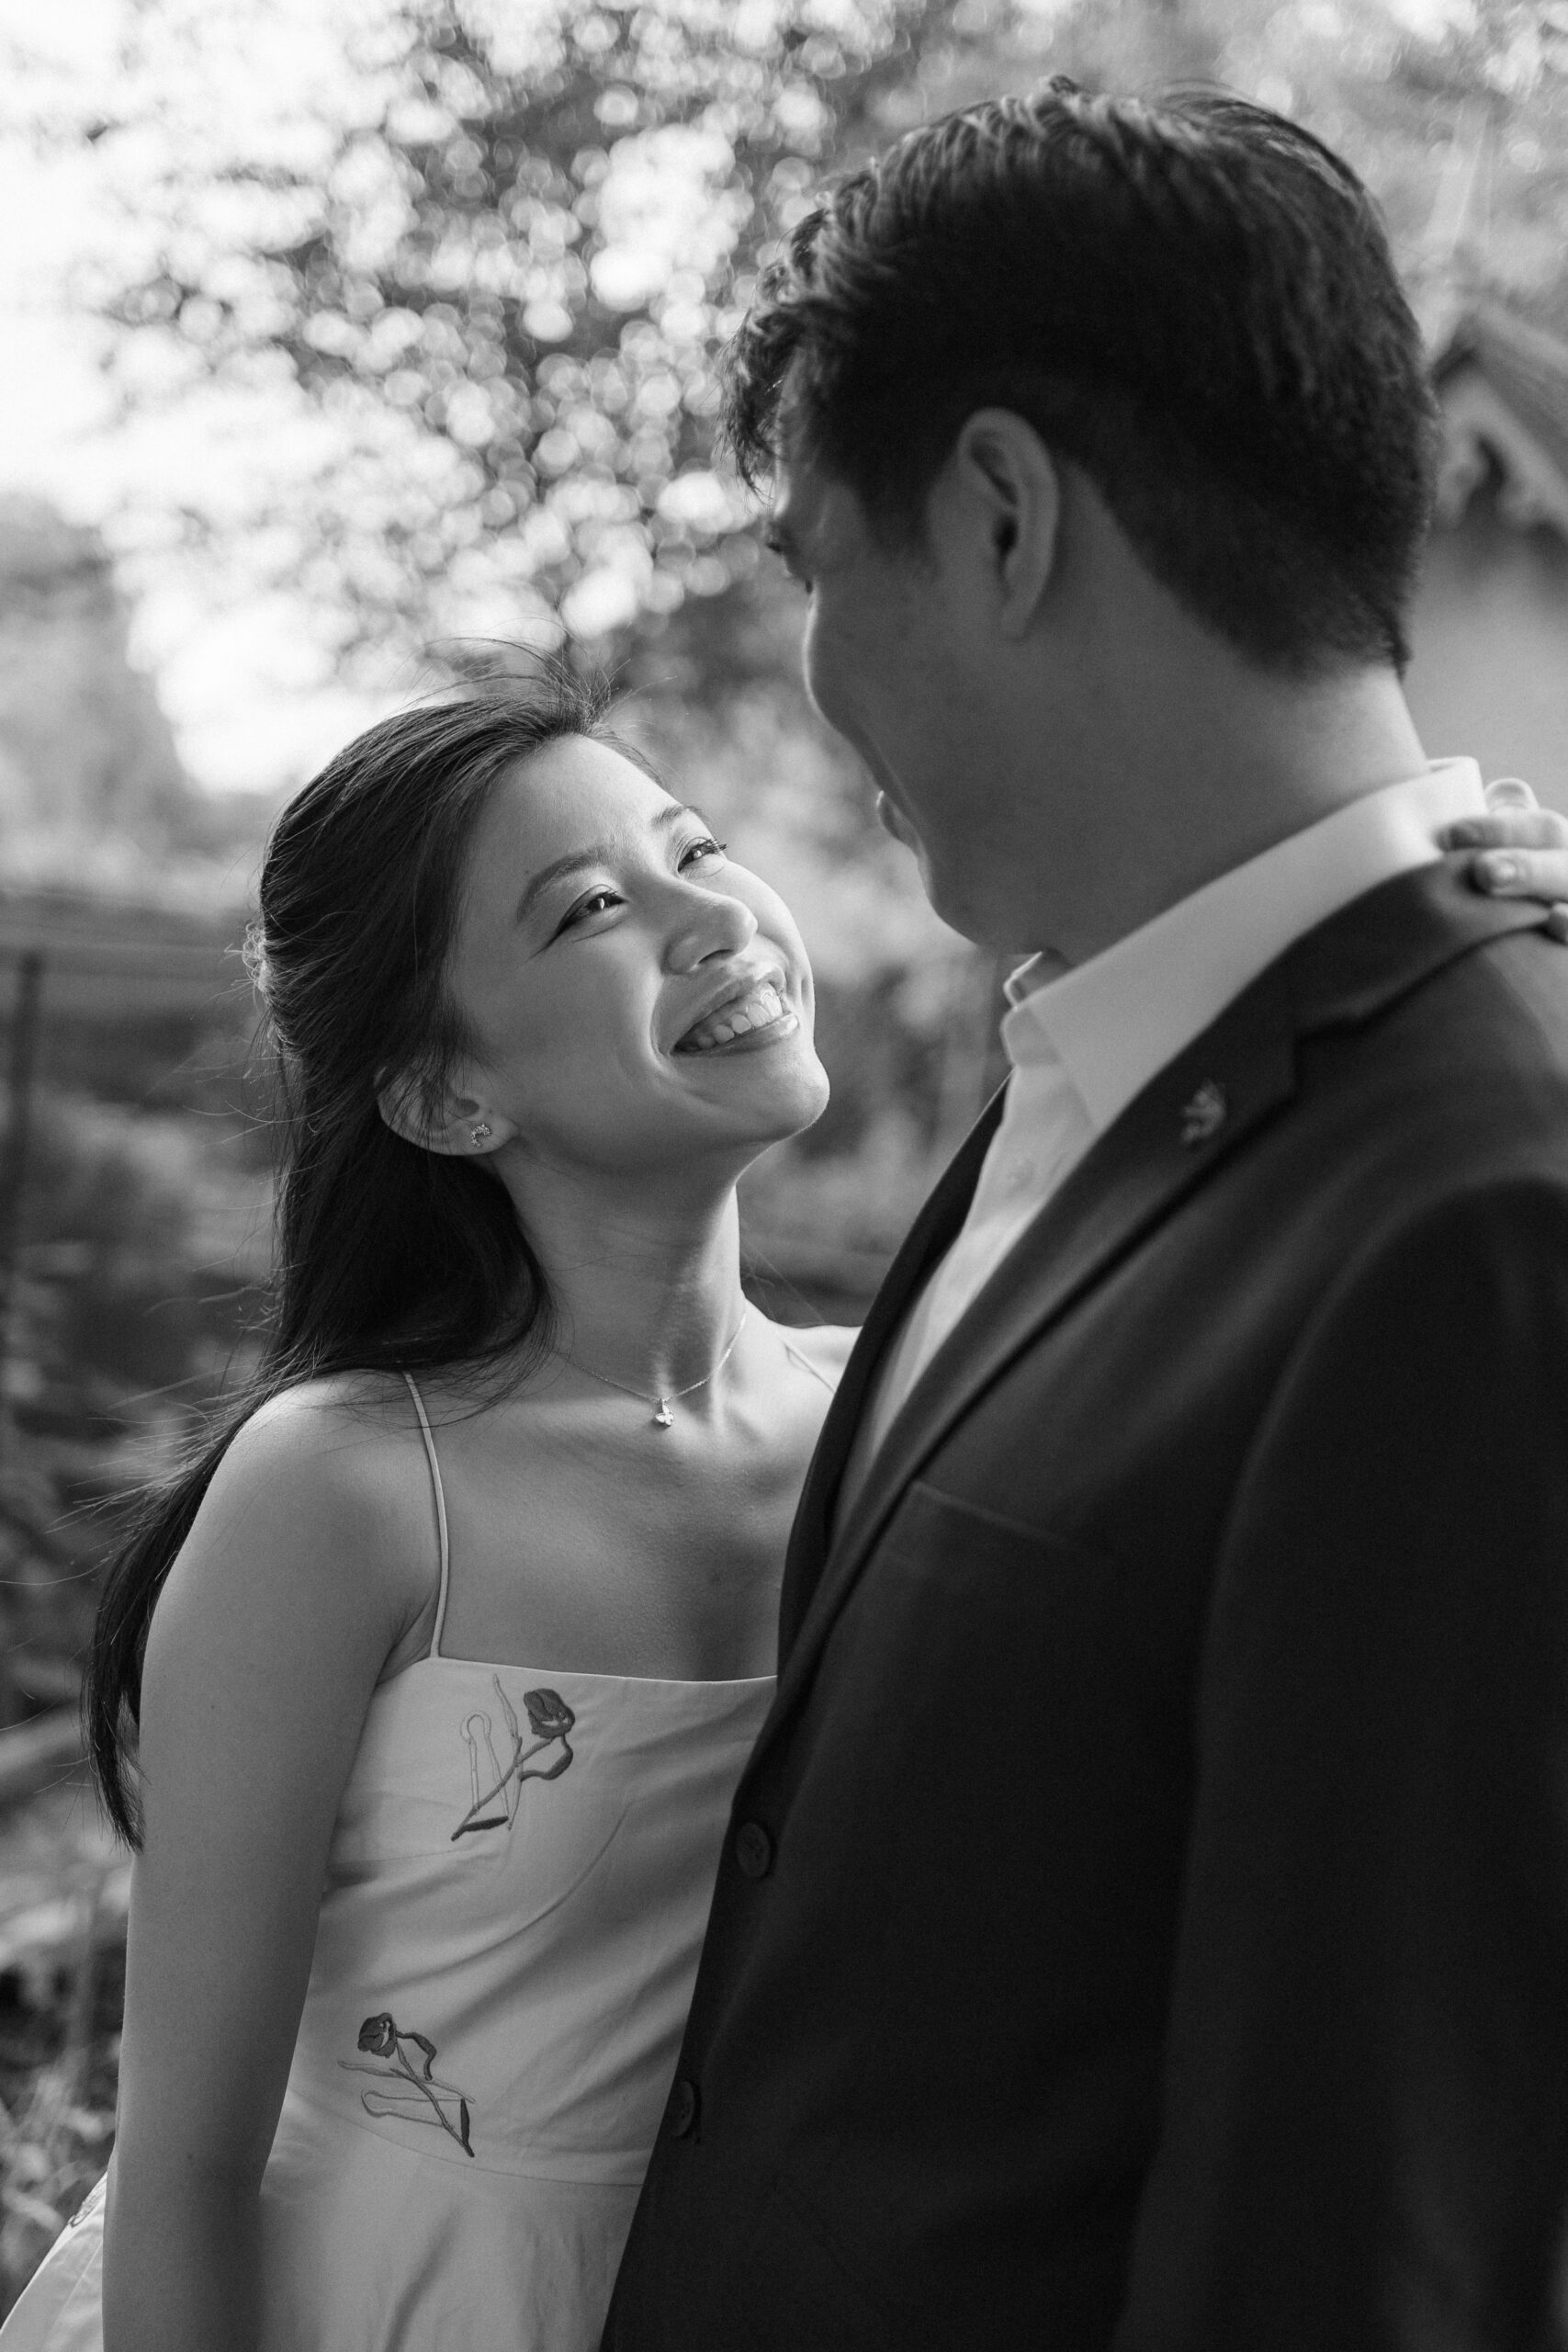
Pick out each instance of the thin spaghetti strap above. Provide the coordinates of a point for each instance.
(806, 1365)
(436, 1489)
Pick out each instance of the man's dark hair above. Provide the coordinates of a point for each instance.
(1194, 302)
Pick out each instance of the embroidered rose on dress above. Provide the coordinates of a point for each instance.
(549, 1719)
(416, 2097)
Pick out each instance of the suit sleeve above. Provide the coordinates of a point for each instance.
(1364, 2144)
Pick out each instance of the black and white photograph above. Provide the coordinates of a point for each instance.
(783, 1176)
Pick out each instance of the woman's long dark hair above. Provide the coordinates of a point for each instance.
(390, 1258)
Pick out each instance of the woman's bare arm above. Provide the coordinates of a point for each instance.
(302, 1569)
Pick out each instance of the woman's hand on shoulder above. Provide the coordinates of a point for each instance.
(1521, 850)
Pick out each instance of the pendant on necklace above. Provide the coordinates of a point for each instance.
(663, 1416)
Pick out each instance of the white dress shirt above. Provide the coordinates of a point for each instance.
(1082, 1046)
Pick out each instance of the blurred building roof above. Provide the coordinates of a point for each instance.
(1499, 362)
(1502, 379)
(38, 547)
(117, 963)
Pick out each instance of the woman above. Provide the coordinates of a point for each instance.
(464, 1622)
(464, 1626)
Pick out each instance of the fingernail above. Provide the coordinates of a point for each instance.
(1498, 872)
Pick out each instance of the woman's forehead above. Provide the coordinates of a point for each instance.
(566, 795)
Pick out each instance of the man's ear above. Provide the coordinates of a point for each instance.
(459, 1126)
(1004, 475)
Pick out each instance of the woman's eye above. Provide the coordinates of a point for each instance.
(706, 847)
(598, 902)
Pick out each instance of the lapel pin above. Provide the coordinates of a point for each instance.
(1204, 1115)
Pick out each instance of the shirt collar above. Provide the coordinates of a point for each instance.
(1115, 1021)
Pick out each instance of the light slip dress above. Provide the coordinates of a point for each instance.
(516, 1896)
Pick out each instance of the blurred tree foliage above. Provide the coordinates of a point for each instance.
(143, 1249)
(503, 251)
(507, 275)
(144, 1245)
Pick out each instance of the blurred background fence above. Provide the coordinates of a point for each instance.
(382, 327)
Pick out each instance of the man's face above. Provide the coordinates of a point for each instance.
(883, 665)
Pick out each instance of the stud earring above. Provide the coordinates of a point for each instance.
(480, 1134)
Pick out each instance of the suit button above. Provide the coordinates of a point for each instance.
(681, 2112)
(753, 1849)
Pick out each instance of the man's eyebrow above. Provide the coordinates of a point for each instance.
(578, 861)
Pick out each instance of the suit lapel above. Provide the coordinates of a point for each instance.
(1134, 1176)
(927, 1241)
(1190, 1119)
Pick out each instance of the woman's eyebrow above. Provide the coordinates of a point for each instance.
(578, 861)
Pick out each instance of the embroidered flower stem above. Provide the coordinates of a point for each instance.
(382, 2037)
(551, 1719)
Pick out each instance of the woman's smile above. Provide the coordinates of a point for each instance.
(755, 1010)
(761, 1020)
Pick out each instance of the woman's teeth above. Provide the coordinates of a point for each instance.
(759, 1009)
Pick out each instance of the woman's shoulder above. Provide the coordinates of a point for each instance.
(330, 1428)
(317, 1521)
(339, 1456)
(825, 1346)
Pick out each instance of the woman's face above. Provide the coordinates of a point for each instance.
(634, 1000)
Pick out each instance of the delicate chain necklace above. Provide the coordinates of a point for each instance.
(663, 1416)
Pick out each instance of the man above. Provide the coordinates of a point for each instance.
(1145, 1920)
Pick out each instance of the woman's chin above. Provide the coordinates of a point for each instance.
(812, 1100)
(797, 1102)
(729, 1110)
(777, 1093)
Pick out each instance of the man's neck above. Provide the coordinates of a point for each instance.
(1203, 783)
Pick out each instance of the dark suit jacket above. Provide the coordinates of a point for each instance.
(1144, 1918)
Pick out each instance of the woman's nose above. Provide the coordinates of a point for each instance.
(714, 925)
